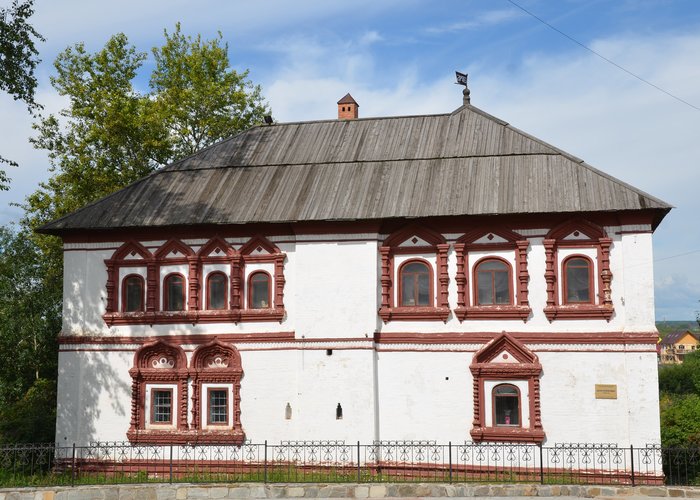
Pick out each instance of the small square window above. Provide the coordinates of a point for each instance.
(218, 406)
(162, 406)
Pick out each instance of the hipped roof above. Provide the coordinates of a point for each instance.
(463, 163)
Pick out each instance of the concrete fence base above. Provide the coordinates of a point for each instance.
(348, 490)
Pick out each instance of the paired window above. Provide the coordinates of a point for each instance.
(415, 284)
(506, 405)
(132, 293)
(174, 292)
(492, 282)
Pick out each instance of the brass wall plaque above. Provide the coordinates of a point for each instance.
(606, 391)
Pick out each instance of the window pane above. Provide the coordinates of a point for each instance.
(506, 401)
(134, 294)
(415, 267)
(415, 284)
(175, 293)
(218, 407)
(502, 287)
(485, 287)
(260, 291)
(423, 289)
(493, 265)
(162, 407)
(216, 292)
(408, 290)
(577, 281)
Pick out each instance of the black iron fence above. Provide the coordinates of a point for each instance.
(338, 461)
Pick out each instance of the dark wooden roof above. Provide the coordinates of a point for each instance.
(347, 99)
(463, 163)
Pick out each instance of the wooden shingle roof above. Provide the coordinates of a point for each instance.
(463, 163)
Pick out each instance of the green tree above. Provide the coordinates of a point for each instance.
(18, 60)
(680, 420)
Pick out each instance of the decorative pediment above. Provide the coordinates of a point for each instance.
(173, 249)
(259, 245)
(489, 236)
(412, 234)
(216, 355)
(132, 250)
(505, 349)
(216, 247)
(160, 355)
(576, 230)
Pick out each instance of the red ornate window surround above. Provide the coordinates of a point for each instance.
(467, 308)
(601, 306)
(216, 363)
(174, 252)
(523, 366)
(434, 244)
(160, 363)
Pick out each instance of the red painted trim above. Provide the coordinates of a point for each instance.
(430, 236)
(125, 289)
(623, 338)
(249, 304)
(183, 339)
(176, 246)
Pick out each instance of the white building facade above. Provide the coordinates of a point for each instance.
(489, 313)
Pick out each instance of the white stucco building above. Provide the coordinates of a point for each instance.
(443, 277)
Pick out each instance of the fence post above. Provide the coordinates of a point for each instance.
(541, 463)
(171, 464)
(265, 464)
(449, 446)
(632, 461)
(358, 461)
(72, 468)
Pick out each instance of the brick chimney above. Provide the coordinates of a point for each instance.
(347, 108)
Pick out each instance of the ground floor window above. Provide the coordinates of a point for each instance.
(506, 405)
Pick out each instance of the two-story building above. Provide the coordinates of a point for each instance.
(442, 277)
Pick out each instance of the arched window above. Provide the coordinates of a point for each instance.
(506, 405)
(493, 282)
(414, 280)
(216, 291)
(259, 290)
(174, 292)
(578, 280)
(132, 293)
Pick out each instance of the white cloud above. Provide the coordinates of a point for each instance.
(486, 19)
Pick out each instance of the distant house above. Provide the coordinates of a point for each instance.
(427, 277)
(675, 345)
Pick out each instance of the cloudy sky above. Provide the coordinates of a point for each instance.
(399, 57)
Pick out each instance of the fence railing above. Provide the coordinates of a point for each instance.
(338, 461)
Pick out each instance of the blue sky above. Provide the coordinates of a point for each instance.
(399, 57)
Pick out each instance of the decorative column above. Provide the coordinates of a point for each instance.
(523, 275)
(535, 394)
(605, 273)
(461, 277)
(476, 400)
(235, 302)
(279, 281)
(550, 278)
(182, 388)
(135, 399)
(385, 309)
(151, 286)
(195, 402)
(111, 305)
(443, 276)
(193, 278)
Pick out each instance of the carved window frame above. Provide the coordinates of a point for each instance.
(565, 299)
(524, 368)
(216, 364)
(393, 246)
(260, 250)
(467, 302)
(594, 237)
(158, 364)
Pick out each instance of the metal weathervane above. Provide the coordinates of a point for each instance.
(462, 80)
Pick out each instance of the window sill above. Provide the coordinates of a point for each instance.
(193, 317)
(227, 436)
(493, 312)
(507, 434)
(579, 311)
(414, 314)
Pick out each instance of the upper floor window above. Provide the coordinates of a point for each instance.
(493, 282)
(132, 293)
(216, 291)
(415, 284)
(506, 405)
(259, 290)
(174, 292)
(578, 285)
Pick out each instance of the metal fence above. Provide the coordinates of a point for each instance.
(338, 461)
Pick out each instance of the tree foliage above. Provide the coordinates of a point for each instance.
(18, 60)
(679, 386)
